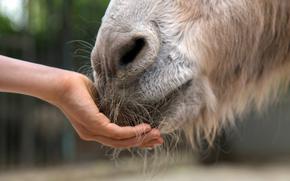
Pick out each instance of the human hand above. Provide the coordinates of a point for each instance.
(70, 91)
(75, 100)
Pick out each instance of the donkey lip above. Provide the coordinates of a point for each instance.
(122, 107)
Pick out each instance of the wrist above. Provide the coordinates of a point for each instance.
(61, 85)
(65, 83)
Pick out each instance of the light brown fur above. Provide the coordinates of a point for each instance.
(244, 56)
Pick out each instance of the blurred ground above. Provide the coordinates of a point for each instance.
(131, 171)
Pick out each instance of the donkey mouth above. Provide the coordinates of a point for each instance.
(126, 108)
(160, 82)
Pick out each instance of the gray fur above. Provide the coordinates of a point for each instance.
(206, 61)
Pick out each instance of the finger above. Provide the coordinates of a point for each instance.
(132, 142)
(117, 132)
(97, 122)
(152, 143)
(154, 134)
(128, 143)
(87, 133)
(111, 130)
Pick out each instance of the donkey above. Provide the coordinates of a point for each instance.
(190, 65)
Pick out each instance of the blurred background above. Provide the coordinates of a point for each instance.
(36, 140)
(54, 33)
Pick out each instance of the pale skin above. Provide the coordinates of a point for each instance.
(70, 92)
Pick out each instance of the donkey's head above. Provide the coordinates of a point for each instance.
(190, 64)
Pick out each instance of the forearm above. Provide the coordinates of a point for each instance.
(30, 79)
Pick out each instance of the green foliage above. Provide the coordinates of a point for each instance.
(51, 24)
(49, 15)
(45, 18)
(87, 17)
(6, 26)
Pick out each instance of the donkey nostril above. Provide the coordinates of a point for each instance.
(132, 51)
